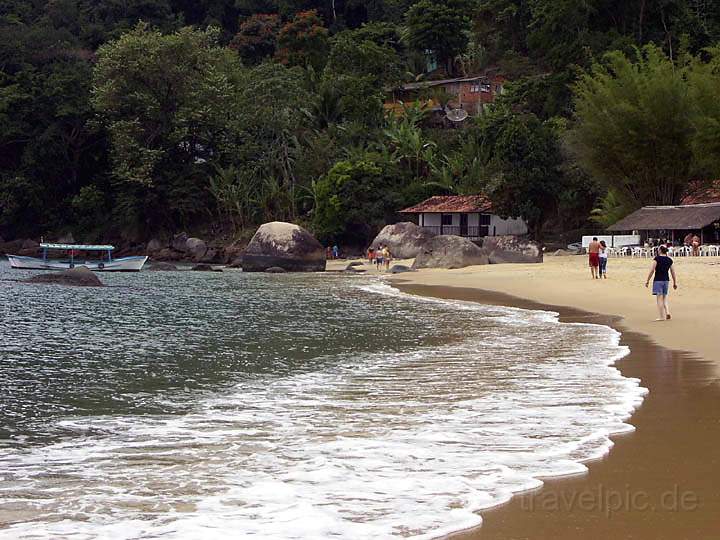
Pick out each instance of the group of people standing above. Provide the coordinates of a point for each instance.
(381, 257)
(660, 272)
(332, 253)
(598, 253)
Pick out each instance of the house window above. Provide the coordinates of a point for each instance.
(475, 88)
(485, 87)
(446, 219)
(485, 219)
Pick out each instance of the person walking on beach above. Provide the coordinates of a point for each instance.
(387, 257)
(603, 259)
(371, 256)
(662, 268)
(594, 257)
(379, 256)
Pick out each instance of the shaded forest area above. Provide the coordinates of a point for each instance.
(127, 120)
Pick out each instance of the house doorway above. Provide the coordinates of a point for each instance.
(463, 224)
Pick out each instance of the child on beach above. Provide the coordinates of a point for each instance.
(603, 259)
(662, 269)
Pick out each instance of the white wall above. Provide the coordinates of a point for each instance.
(619, 240)
(431, 220)
(435, 220)
(501, 227)
(497, 227)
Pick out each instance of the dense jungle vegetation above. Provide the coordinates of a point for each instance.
(136, 118)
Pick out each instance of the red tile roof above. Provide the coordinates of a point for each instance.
(703, 194)
(449, 204)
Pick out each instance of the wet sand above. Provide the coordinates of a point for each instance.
(661, 482)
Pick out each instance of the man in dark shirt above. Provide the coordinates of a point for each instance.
(662, 268)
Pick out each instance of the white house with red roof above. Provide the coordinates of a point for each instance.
(470, 216)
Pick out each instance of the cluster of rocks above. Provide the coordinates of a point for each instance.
(182, 247)
(276, 247)
(24, 247)
(407, 240)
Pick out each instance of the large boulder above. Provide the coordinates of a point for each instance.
(80, 276)
(404, 240)
(155, 245)
(400, 269)
(511, 249)
(196, 248)
(286, 246)
(447, 251)
(179, 242)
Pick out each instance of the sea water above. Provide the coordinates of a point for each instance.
(189, 405)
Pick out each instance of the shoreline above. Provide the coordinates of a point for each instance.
(629, 492)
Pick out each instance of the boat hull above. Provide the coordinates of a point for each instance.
(123, 264)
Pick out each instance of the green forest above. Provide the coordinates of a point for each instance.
(131, 119)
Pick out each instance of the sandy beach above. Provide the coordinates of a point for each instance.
(661, 481)
(565, 281)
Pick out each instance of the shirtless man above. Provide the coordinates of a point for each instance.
(594, 256)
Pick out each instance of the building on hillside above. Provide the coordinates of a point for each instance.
(470, 94)
(674, 223)
(470, 216)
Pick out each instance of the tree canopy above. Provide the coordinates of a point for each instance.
(641, 124)
(144, 117)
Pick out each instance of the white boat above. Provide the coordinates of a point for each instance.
(77, 255)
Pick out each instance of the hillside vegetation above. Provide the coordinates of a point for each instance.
(128, 120)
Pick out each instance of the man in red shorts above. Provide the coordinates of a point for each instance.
(594, 255)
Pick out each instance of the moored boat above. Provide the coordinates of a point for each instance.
(77, 255)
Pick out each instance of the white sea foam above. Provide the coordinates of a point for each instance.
(409, 444)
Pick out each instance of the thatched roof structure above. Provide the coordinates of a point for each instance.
(685, 217)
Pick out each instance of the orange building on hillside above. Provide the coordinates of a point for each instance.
(470, 94)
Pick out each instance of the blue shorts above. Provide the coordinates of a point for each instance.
(661, 288)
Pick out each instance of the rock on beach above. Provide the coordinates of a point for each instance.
(447, 251)
(404, 240)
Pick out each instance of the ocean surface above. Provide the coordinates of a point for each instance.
(188, 405)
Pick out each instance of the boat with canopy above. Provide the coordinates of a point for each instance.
(78, 255)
